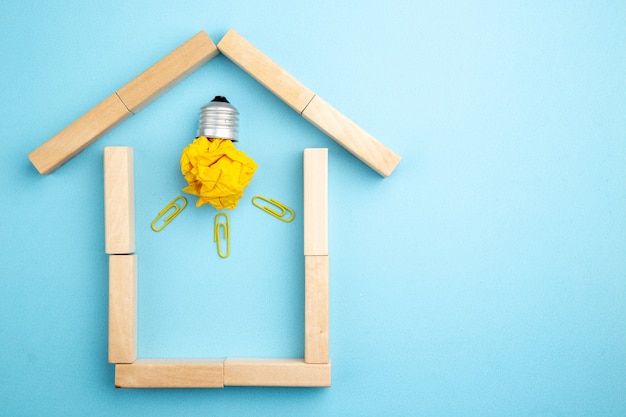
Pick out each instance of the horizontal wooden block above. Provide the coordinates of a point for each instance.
(265, 71)
(122, 308)
(163, 75)
(276, 373)
(119, 200)
(356, 140)
(77, 136)
(316, 305)
(315, 201)
(171, 373)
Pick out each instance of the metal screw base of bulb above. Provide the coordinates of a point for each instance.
(219, 119)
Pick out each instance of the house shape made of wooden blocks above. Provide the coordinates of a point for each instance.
(184, 60)
(313, 369)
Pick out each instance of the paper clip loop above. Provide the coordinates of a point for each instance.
(225, 226)
(279, 215)
(178, 207)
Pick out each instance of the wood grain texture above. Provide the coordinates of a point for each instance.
(119, 200)
(122, 308)
(129, 99)
(264, 70)
(166, 73)
(316, 306)
(315, 201)
(78, 135)
(171, 373)
(275, 373)
(352, 137)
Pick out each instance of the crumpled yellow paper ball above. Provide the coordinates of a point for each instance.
(216, 172)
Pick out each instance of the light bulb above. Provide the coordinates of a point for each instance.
(215, 170)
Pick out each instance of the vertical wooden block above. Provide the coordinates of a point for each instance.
(122, 308)
(77, 136)
(316, 201)
(163, 75)
(276, 373)
(356, 140)
(119, 200)
(171, 373)
(316, 305)
(265, 71)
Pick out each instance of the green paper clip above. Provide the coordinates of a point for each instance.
(279, 215)
(172, 205)
(225, 226)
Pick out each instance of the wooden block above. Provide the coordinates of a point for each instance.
(304, 101)
(265, 71)
(316, 302)
(276, 373)
(119, 200)
(170, 373)
(77, 136)
(356, 140)
(315, 201)
(131, 98)
(163, 75)
(122, 308)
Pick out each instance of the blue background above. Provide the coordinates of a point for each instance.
(485, 277)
